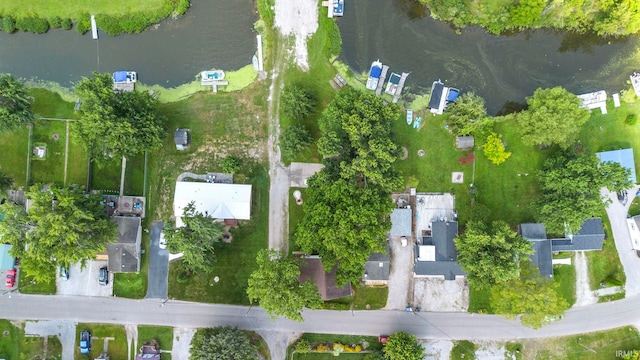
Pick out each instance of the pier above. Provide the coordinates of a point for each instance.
(123, 86)
(396, 96)
(214, 84)
(383, 76)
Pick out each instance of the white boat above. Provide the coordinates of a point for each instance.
(635, 81)
(409, 116)
(392, 85)
(212, 75)
(123, 76)
(374, 75)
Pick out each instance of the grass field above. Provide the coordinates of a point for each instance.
(463, 349)
(131, 285)
(162, 334)
(15, 345)
(117, 347)
(373, 345)
(565, 277)
(51, 8)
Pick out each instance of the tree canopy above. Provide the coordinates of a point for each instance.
(64, 226)
(529, 295)
(491, 255)
(222, 343)
(570, 189)
(343, 223)
(294, 139)
(494, 149)
(297, 102)
(115, 123)
(403, 346)
(467, 115)
(196, 239)
(553, 117)
(15, 104)
(275, 285)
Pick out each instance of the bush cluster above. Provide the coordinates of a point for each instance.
(322, 347)
(33, 24)
(8, 24)
(631, 119)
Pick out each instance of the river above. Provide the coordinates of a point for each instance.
(499, 68)
(212, 34)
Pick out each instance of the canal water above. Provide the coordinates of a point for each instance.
(213, 34)
(499, 68)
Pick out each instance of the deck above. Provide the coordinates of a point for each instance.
(383, 77)
(214, 83)
(396, 96)
(124, 86)
(635, 81)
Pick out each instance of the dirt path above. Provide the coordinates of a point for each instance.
(584, 295)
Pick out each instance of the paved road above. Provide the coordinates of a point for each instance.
(438, 326)
(158, 265)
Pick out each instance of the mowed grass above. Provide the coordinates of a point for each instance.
(314, 339)
(51, 8)
(131, 285)
(50, 169)
(15, 345)
(565, 278)
(13, 155)
(162, 334)
(117, 347)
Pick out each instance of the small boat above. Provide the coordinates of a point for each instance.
(212, 75)
(441, 97)
(374, 75)
(254, 61)
(409, 116)
(417, 123)
(392, 85)
(338, 7)
(635, 81)
(123, 76)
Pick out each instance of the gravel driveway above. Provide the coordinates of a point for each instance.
(64, 330)
(401, 275)
(182, 343)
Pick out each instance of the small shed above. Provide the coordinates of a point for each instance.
(464, 142)
(182, 138)
(7, 262)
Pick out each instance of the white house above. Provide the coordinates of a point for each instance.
(220, 201)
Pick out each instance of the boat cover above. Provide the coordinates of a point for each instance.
(453, 95)
(436, 94)
(120, 76)
(375, 72)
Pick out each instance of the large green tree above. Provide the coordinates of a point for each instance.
(115, 123)
(297, 102)
(15, 104)
(553, 117)
(491, 255)
(403, 346)
(275, 285)
(294, 139)
(467, 115)
(529, 295)
(222, 343)
(343, 223)
(570, 189)
(195, 239)
(63, 226)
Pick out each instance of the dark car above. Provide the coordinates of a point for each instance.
(623, 197)
(103, 276)
(64, 273)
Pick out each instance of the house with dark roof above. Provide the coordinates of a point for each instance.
(376, 269)
(124, 253)
(435, 254)
(182, 139)
(589, 237)
(313, 269)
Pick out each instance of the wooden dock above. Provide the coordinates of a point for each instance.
(337, 82)
(124, 86)
(214, 84)
(383, 77)
(396, 96)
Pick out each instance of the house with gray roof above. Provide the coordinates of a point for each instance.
(590, 237)
(124, 253)
(435, 254)
(376, 269)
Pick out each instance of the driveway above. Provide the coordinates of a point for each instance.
(401, 275)
(85, 281)
(630, 262)
(158, 265)
(64, 330)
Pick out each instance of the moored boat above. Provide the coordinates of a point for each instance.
(374, 75)
(123, 76)
(409, 116)
(212, 75)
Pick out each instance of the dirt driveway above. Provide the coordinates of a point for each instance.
(85, 281)
(434, 294)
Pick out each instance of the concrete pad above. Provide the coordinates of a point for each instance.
(300, 172)
(84, 282)
(430, 207)
(400, 281)
(437, 294)
(457, 177)
(182, 343)
(566, 261)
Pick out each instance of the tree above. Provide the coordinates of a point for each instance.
(403, 346)
(494, 150)
(297, 102)
(275, 285)
(531, 296)
(294, 139)
(467, 115)
(553, 117)
(222, 343)
(570, 189)
(195, 239)
(343, 223)
(64, 226)
(115, 123)
(6, 181)
(15, 104)
(491, 256)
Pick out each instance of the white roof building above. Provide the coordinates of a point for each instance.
(220, 201)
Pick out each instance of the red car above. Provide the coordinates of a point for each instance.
(11, 278)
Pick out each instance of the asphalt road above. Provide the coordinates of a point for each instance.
(158, 265)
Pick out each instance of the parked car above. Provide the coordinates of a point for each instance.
(103, 276)
(163, 242)
(623, 197)
(10, 281)
(85, 342)
(64, 273)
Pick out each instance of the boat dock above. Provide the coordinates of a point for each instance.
(383, 77)
(124, 86)
(396, 96)
(214, 84)
(635, 81)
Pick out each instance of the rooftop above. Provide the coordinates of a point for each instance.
(220, 201)
(326, 281)
(623, 157)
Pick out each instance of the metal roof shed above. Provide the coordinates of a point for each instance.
(623, 157)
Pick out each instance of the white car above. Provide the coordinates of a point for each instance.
(163, 242)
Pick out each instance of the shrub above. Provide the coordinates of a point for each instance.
(230, 164)
(66, 24)
(297, 102)
(33, 24)
(8, 24)
(302, 346)
(631, 119)
(294, 140)
(83, 24)
(55, 22)
(494, 149)
(181, 7)
(322, 348)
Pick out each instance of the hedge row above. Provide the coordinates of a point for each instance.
(112, 25)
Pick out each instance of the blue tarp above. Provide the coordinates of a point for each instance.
(375, 72)
(623, 157)
(120, 76)
(453, 95)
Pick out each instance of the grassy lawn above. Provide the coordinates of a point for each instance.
(256, 340)
(163, 334)
(604, 265)
(27, 285)
(13, 155)
(16, 346)
(51, 8)
(375, 297)
(463, 350)
(51, 168)
(235, 260)
(107, 177)
(565, 277)
(314, 339)
(117, 347)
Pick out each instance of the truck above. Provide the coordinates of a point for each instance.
(85, 342)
